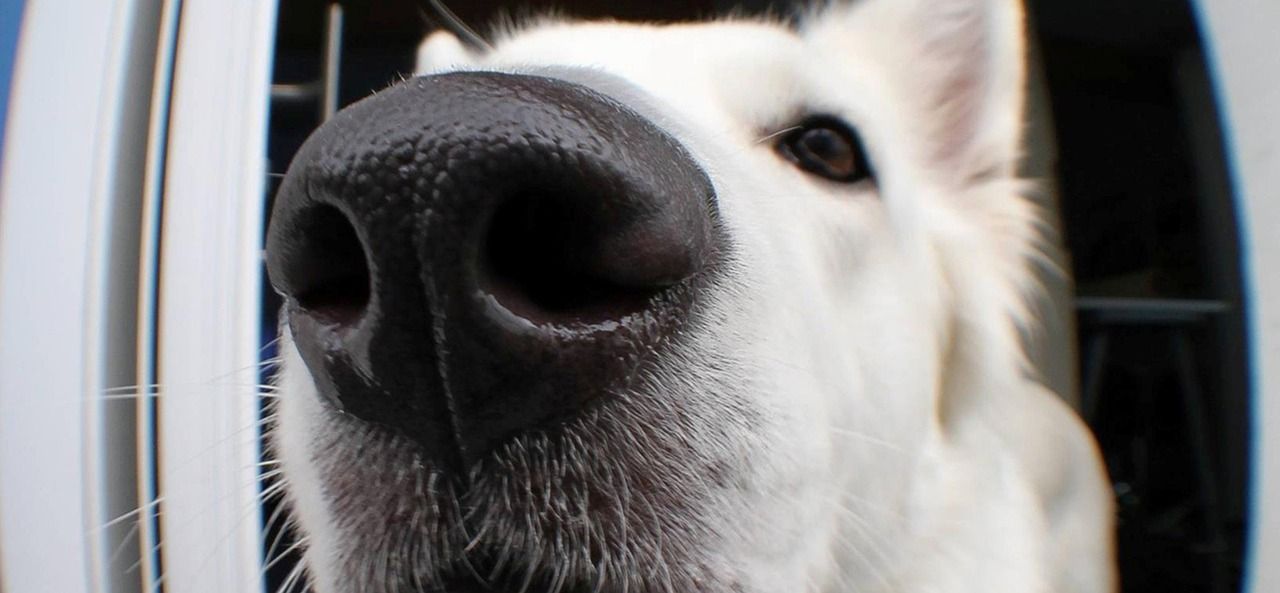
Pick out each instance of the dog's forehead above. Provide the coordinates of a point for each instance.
(636, 48)
(711, 70)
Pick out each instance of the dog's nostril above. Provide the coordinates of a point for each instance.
(329, 273)
(541, 261)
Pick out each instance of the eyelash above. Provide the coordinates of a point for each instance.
(827, 147)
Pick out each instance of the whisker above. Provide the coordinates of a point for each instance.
(131, 514)
(153, 387)
(867, 438)
(256, 424)
(272, 562)
(293, 577)
(257, 366)
(282, 530)
(124, 542)
(273, 490)
(776, 134)
(267, 493)
(155, 394)
(269, 476)
(244, 514)
(868, 533)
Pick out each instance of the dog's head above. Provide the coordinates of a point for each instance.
(639, 308)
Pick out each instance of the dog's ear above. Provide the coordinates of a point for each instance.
(959, 63)
(441, 51)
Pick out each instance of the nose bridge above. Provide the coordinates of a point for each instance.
(525, 245)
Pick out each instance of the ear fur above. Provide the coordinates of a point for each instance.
(979, 48)
(959, 62)
(439, 51)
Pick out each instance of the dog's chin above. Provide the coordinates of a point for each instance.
(607, 502)
(474, 584)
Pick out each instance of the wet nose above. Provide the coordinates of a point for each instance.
(469, 256)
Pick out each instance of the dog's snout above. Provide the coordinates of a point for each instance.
(470, 256)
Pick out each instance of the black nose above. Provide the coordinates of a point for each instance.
(470, 256)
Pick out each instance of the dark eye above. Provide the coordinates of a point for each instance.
(827, 147)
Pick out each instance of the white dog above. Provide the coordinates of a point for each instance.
(728, 307)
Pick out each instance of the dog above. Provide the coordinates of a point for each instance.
(726, 307)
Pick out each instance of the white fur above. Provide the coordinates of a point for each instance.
(875, 328)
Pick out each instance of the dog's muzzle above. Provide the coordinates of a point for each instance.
(470, 256)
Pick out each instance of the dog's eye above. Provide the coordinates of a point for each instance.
(826, 147)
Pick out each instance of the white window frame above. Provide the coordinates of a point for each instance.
(210, 304)
(51, 237)
(83, 169)
(1242, 46)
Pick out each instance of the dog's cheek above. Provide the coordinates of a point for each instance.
(782, 507)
